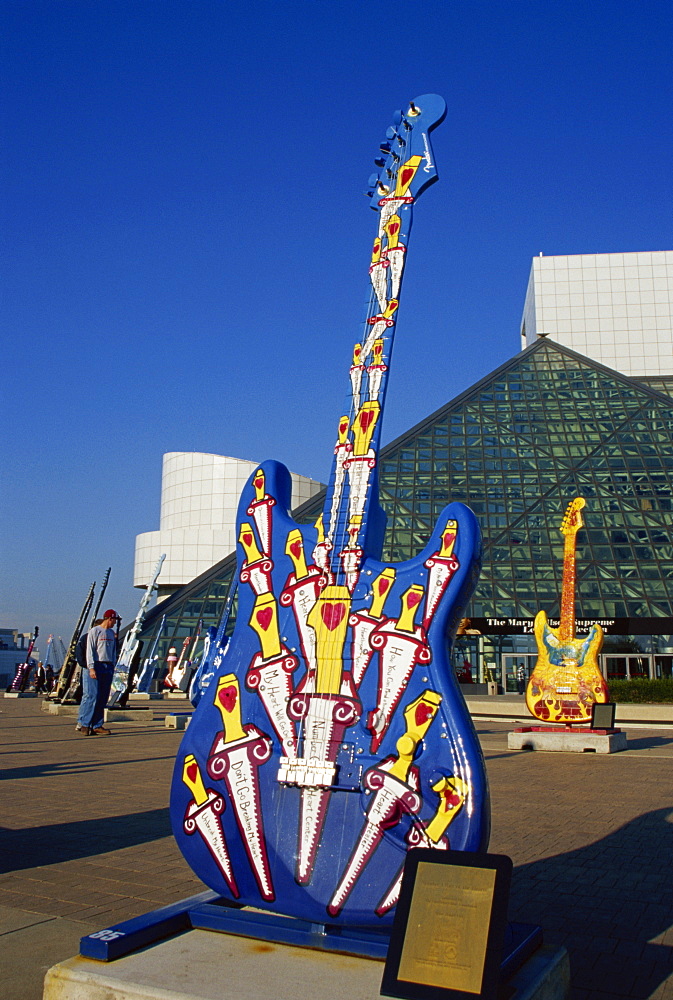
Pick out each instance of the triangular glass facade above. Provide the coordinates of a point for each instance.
(517, 447)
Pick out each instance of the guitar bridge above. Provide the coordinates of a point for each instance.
(306, 773)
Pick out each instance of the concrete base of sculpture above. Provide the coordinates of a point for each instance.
(20, 694)
(567, 739)
(128, 714)
(177, 720)
(54, 708)
(206, 965)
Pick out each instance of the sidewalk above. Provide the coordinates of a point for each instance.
(85, 842)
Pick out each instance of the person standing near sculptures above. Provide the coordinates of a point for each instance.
(101, 656)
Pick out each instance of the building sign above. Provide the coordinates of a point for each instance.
(524, 626)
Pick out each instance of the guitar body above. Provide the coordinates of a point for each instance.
(396, 734)
(566, 681)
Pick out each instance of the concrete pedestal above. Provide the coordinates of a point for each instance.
(54, 708)
(177, 720)
(128, 714)
(20, 694)
(567, 739)
(205, 965)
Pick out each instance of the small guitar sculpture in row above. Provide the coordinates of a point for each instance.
(333, 737)
(566, 681)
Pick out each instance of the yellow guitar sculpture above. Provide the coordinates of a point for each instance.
(566, 681)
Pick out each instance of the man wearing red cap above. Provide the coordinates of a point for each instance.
(101, 656)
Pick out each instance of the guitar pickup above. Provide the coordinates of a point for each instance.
(349, 769)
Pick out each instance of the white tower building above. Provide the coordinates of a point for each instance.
(199, 499)
(616, 308)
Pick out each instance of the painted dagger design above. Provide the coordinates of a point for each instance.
(270, 673)
(401, 645)
(363, 622)
(260, 510)
(452, 792)
(235, 757)
(300, 592)
(376, 370)
(394, 784)
(323, 716)
(203, 814)
(442, 565)
(342, 450)
(377, 273)
(256, 570)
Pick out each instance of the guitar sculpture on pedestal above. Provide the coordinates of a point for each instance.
(334, 737)
(566, 681)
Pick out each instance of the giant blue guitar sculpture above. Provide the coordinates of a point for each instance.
(334, 737)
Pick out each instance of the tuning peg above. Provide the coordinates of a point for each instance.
(401, 141)
(395, 157)
(385, 147)
(391, 132)
(379, 161)
(390, 173)
(406, 124)
(373, 180)
(413, 111)
(397, 117)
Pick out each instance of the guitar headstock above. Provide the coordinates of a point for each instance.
(572, 519)
(406, 163)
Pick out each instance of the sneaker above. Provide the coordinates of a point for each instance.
(79, 729)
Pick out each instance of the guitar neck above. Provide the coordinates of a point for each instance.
(567, 626)
(351, 508)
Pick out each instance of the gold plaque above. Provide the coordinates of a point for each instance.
(449, 926)
(447, 929)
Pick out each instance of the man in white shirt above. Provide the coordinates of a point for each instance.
(101, 656)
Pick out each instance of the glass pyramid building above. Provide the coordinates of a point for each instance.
(545, 427)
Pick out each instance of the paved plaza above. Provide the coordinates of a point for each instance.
(85, 842)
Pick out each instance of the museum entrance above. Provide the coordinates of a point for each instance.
(510, 663)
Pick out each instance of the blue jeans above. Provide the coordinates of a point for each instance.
(89, 692)
(104, 674)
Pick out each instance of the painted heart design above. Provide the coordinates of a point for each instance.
(423, 713)
(332, 614)
(449, 538)
(258, 483)
(296, 549)
(384, 585)
(264, 617)
(247, 538)
(393, 228)
(228, 697)
(365, 420)
(406, 176)
(193, 772)
(413, 599)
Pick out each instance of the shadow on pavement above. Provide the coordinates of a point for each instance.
(606, 902)
(48, 845)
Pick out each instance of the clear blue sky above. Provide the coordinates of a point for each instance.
(186, 242)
